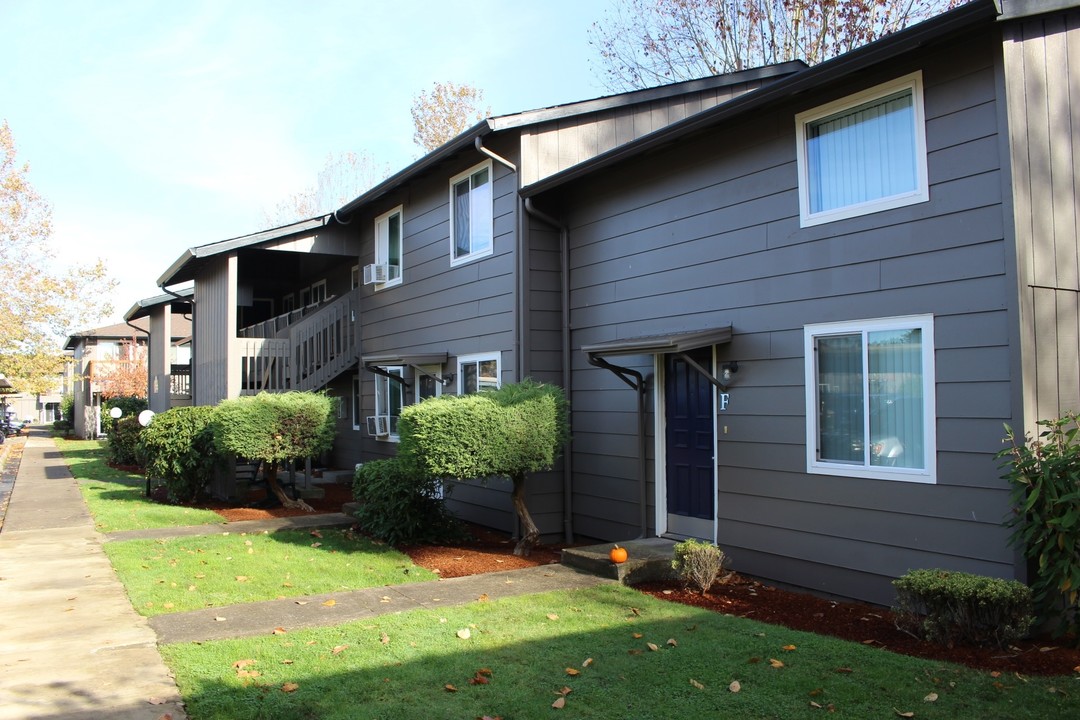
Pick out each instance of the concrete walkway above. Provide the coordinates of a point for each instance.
(73, 648)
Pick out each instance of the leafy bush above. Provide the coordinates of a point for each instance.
(400, 505)
(131, 407)
(123, 446)
(513, 431)
(178, 448)
(946, 607)
(275, 426)
(1045, 477)
(698, 563)
(67, 412)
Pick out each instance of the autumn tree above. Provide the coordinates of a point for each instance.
(41, 303)
(343, 177)
(446, 112)
(642, 43)
(127, 375)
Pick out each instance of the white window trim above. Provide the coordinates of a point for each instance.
(382, 246)
(921, 193)
(815, 466)
(315, 288)
(390, 387)
(478, 358)
(454, 261)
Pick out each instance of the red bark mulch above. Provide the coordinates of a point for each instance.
(867, 624)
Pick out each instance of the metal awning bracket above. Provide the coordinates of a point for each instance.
(708, 375)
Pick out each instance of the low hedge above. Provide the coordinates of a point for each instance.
(401, 506)
(948, 607)
(123, 448)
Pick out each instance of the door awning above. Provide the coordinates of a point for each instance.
(378, 364)
(680, 342)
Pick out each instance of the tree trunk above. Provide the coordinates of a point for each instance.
(529, 532)
(279, 492)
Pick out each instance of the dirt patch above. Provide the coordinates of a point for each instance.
(866, 624)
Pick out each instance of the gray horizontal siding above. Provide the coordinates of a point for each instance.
(706, 233)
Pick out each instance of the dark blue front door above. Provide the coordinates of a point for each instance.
(691, 460)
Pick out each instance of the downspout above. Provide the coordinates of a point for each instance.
(564, 291)
(637, 381)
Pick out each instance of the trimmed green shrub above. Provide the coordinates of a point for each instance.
(1045, 477)
(401, 506)
(123, 448)
(698, 563)
(67, 411)
(273, 428)
(947, 607)
(178, 448)
(131, 407)
(513, 431)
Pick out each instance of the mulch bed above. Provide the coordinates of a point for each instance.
(867, 624)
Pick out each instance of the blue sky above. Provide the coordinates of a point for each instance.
(151, 127)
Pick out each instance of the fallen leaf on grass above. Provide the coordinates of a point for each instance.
(572, 671)
(908, 714)
(243, 663)
(279, 631)
(552, 616)
(696, 684)
(996, 674)
(316, 533)
(483, 598)
(932, 697)
(565, 691)
(449, 688)
(560, 703)
(384, 639)
(248, 673)
(241, 578)
(672, 642)
(290, 687)
(652, 647)
(776, 663)
(788, 648)
(815, 705)
(338, 649)
(587, 663)
(844, 670)
(316, 544)
(286, 662)
(464, 633)
(734, 686)
(637, 636)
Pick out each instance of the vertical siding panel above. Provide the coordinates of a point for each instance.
(1063, 190)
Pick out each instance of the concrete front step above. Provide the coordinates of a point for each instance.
(648, 559)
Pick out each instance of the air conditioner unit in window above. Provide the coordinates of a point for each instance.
(380, 273)
(378, 425)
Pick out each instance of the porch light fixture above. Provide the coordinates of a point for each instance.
(727, 370)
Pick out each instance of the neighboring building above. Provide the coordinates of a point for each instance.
(95, 355)
(168, 353)
(776, 331)
(832, 294)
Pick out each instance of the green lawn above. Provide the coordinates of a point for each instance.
(608, 652)
(189, 573)
(117, 499)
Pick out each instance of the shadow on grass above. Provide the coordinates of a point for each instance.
(523, 654)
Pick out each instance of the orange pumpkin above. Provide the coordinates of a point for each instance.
(617, 554)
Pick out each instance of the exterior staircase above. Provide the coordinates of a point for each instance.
(302, 350)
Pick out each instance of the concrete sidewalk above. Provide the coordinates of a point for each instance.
(71, 646)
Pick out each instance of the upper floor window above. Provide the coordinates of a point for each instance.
(471, 228)
(478, 372)
(388, 248)
(863, 154)
(870, 398)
